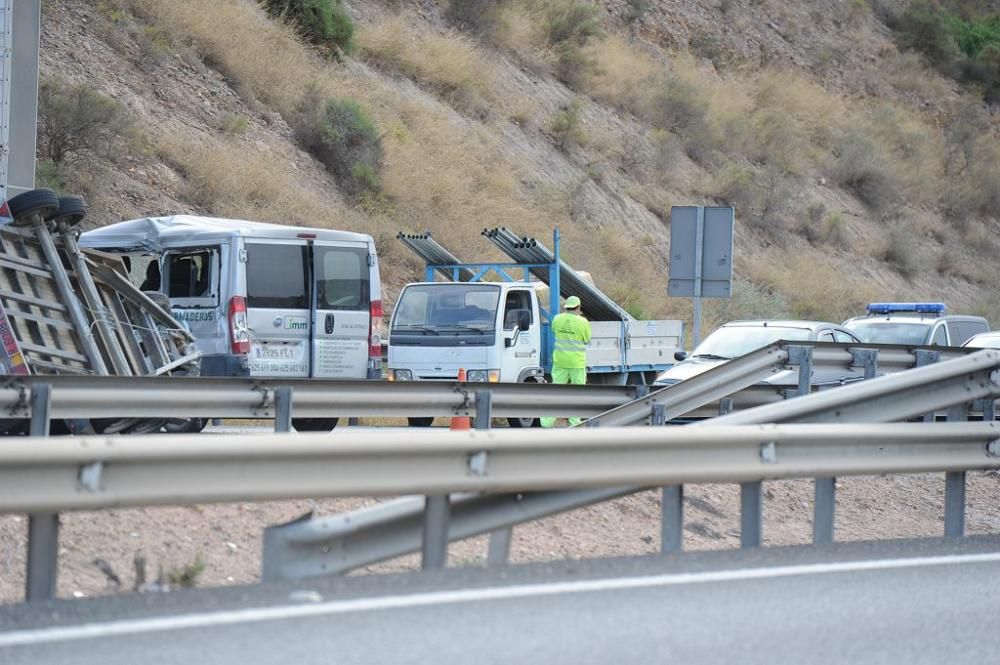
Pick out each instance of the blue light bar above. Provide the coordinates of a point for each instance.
(919, 307)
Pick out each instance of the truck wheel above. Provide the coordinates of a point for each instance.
(524, 422)
(185, 426)
(419, 422)
(314, 424)
(25, 207)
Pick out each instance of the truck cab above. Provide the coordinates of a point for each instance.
(492, 330)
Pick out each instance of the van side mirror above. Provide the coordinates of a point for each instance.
(524, 320)
(680, 355)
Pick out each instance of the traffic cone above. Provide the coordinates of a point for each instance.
(460, 423)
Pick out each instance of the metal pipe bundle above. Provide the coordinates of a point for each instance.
(433, 253)
(596, 305)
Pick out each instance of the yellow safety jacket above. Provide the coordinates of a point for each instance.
(572, 333)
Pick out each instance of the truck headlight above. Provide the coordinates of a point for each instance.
(402, 375)
(477, 376)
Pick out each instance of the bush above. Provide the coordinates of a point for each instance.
(77, 121)
(760, 195)
(569, 27)
(340, 135)
(858, 165)
(479, 16)
(565, 126)
(322, 22)
(902, 252)
(677, 106)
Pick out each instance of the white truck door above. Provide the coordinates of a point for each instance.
(521, 347)
(340, 341)
(278, 313)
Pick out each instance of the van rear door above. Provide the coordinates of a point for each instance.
(278, 312)
(343, 310)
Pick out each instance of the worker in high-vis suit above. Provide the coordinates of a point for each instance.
(569, 355)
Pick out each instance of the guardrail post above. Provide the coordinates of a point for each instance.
(283, 409)
(437, 514)
(751, 513)
(43, 528)
(498, 549)
(954, 488)
(657, 417)
(926, 358)
(725, 406)
(672, 519)
(803, 357)
(824, 508)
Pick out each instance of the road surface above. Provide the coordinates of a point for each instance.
(894, 602)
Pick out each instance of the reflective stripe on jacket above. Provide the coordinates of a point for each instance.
(572, 333)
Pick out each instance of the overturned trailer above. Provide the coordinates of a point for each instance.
(64, 310)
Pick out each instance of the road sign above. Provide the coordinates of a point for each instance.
(701, 256)
(701, 252)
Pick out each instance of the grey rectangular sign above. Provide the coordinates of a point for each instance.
(715, 271)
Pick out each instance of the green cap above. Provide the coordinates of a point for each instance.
(572, 302)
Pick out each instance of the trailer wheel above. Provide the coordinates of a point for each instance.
(28, 207)
(420, 421)
(314, 424)
(72, 210)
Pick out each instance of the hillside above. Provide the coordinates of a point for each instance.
(858, 170)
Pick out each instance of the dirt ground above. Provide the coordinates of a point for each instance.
(227, 537)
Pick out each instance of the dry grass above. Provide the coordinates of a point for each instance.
(449, 63)
(272, 66)
(814, 287)
(624, 76)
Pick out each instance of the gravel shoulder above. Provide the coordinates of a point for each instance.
(227, 537)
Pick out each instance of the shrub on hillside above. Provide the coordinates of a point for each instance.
(569, 26)
(760, 194)
(322, 22)
(902, 252)
(77, 121)
(858, 165)
(565, 126)
(479, 16)
(340, 134)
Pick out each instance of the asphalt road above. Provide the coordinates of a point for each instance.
(924, 602)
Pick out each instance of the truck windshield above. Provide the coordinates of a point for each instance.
(448, 307)
(890, 332)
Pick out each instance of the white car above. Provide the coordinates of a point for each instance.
(738, 338)
(986, 340)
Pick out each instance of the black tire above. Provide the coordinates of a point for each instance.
(72, 210)
(314, 424)
(26, 206)
(185, 425)
(420, 421)
(524, 422)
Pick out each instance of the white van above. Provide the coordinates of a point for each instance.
(262, 299)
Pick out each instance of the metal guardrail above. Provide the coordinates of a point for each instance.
(343, 542)
(87, 473)
(174, 397)
(740, 379)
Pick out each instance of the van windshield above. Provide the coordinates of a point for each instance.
(436, 307)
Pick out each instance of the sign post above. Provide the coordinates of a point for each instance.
(701, 256)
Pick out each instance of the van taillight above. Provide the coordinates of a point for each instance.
(375, 335)
(239, 332)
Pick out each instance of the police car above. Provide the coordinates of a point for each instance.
(917, 323)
